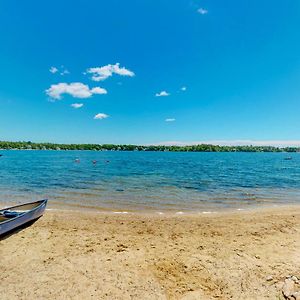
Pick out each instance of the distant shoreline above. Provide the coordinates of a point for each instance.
(6, 145)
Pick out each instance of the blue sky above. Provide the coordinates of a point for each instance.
(238, 61)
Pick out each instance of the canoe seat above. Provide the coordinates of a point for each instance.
(9, 214)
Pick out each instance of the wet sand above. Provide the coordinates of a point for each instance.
(70, 255)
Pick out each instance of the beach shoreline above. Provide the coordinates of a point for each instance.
(91, 255)
(55, 206)
(173, 212)
(58, 208)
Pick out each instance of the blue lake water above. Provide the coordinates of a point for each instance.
(155, 181)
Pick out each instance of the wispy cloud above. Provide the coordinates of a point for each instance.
(77, 105)
(275, 143)
(102, 73)
(53, 70)
(62, 70)
(162, 94)
(100, 116)
(170, 120)
(75, 89)
(183, 88)
(202, 11)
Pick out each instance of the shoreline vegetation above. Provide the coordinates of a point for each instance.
(6, 145)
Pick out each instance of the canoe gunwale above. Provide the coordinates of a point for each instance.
(20, 205)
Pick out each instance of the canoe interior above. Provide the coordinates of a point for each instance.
(20, 209)
(24, 207)
(2, 219)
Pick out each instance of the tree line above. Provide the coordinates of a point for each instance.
(5, 145)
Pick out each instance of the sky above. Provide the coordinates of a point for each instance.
(150, 71)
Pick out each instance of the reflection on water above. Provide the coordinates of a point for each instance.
(150, 180)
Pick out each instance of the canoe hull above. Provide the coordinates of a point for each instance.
(23, 219)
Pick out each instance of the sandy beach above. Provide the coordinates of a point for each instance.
(70, 255)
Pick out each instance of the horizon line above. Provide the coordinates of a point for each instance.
(263, 143)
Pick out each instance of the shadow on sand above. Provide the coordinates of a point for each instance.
(16, 230)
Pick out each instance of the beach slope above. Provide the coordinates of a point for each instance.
(73, 255)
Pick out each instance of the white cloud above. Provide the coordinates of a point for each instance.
(53, 70)
(275, 143)
(102, 73)
(100, 116)
(183, 88)
(162, 94)
(77, 105)
(170, 120)
(98, 90)
(202, 11)
(75, 89)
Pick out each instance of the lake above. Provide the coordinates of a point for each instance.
(150, 181)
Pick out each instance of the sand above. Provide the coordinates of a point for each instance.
(70, 255)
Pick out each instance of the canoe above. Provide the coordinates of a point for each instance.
(16, 216)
